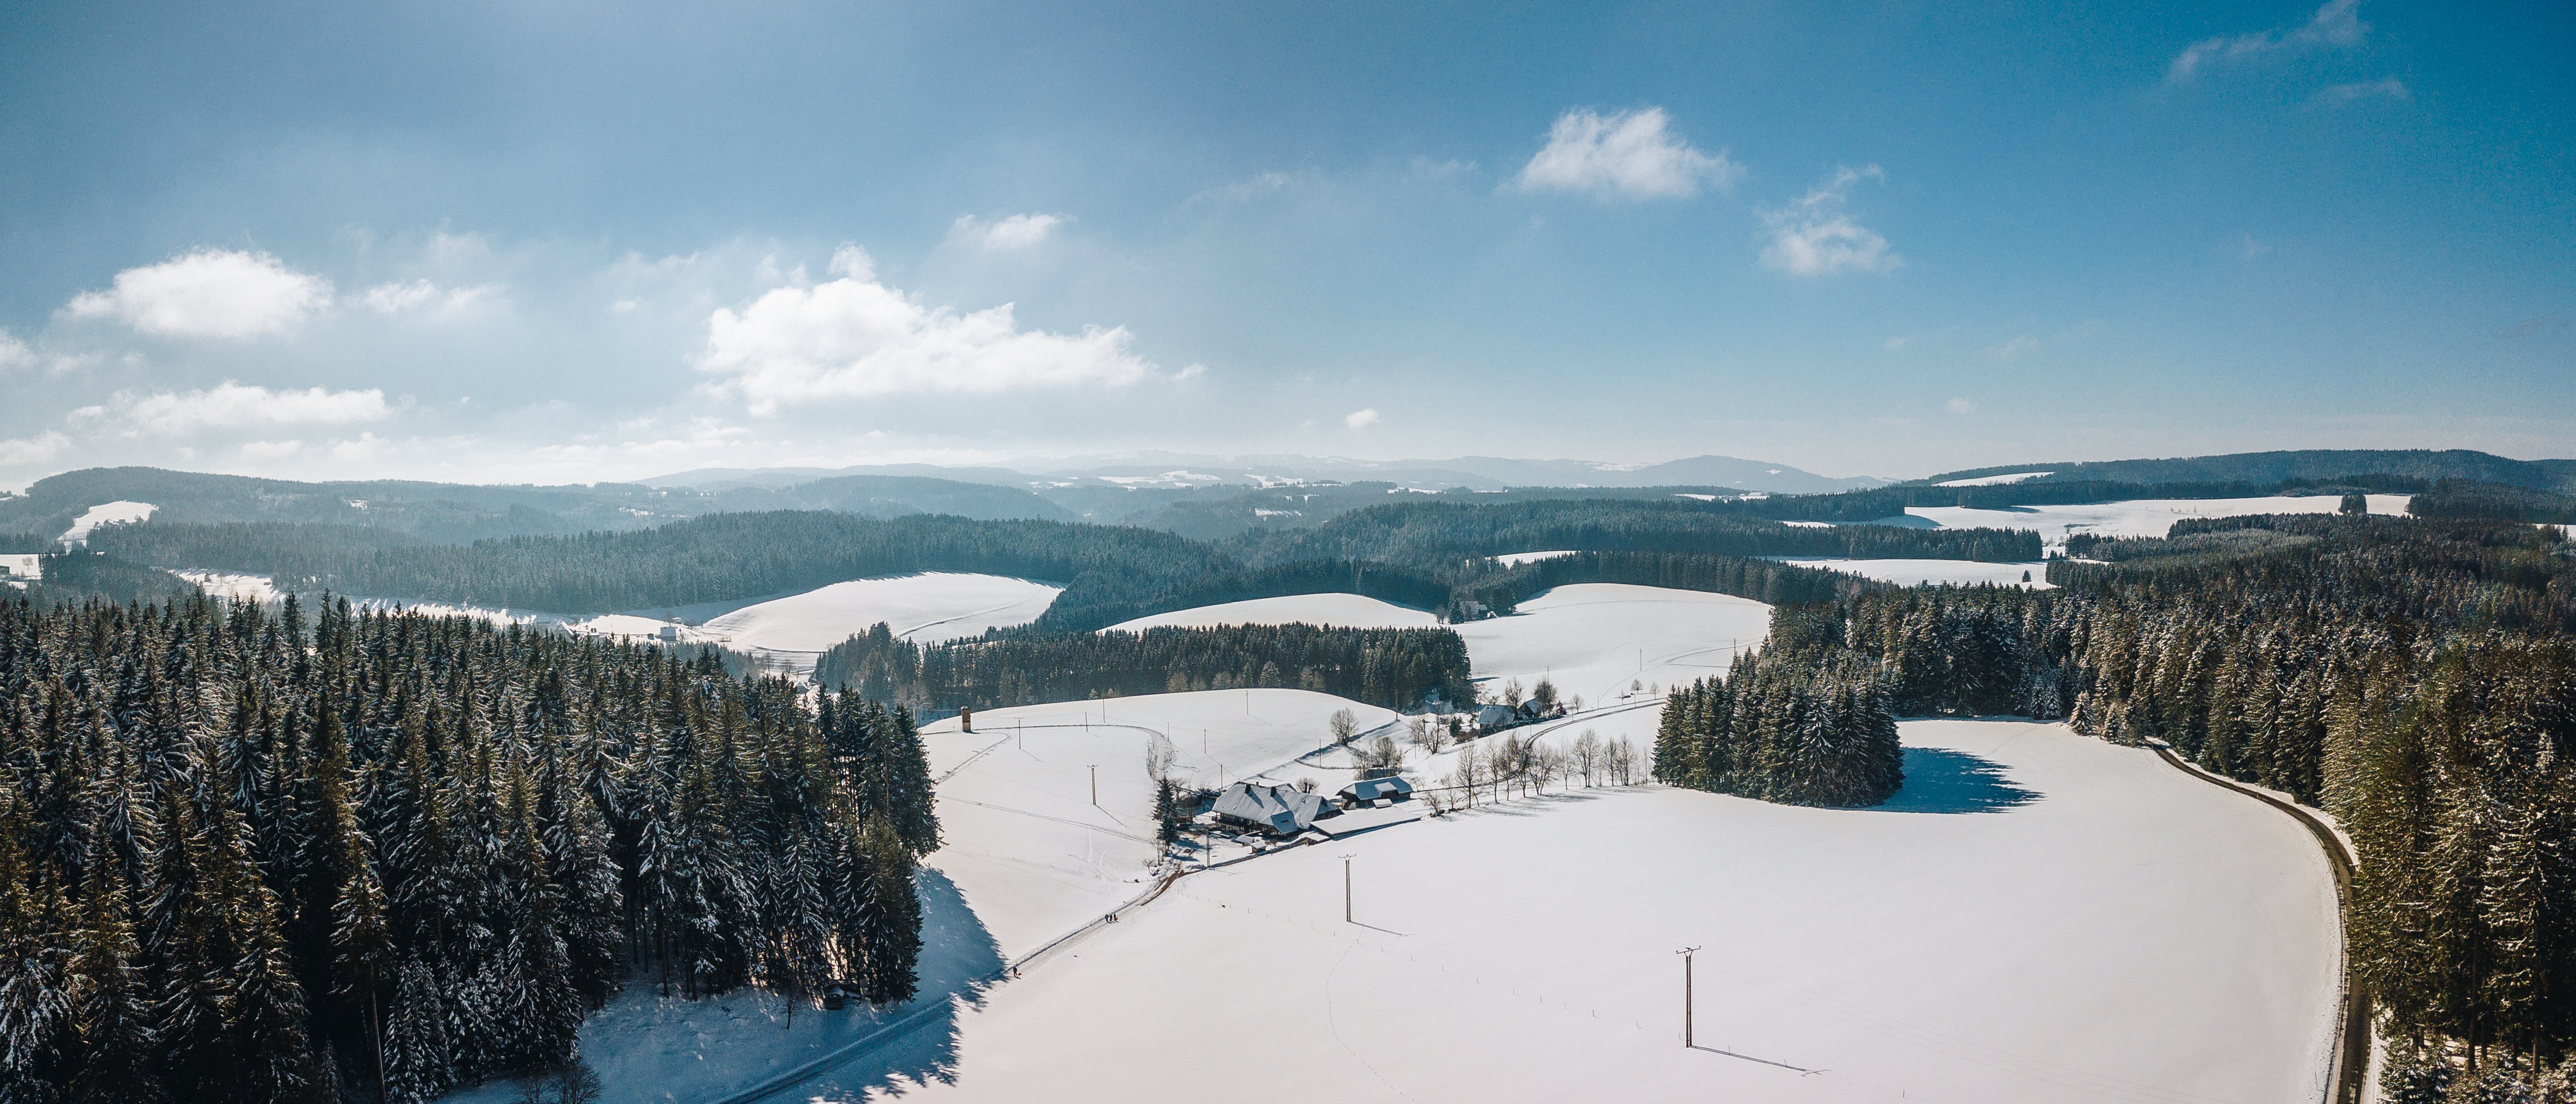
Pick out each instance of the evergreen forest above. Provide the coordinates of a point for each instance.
(247, 858)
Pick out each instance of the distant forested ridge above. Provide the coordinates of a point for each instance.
(2325, 465)
(1395, 668)
(2463, 501)
(240, 854)
(1430, 531)
(2415, 678)
(1416, 557)
(452, 513)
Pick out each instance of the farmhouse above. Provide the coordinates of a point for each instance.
(1375, 791)
(1278, 810)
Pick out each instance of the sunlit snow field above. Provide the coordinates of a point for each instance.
(1350, 611)
(2057, 919)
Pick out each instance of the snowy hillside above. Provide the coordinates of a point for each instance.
(2038, 917)
(1350, 611)
(1593, 639)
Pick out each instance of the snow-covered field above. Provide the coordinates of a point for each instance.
(106, 513)
(1515, 559)
(1593, 639)
(2146, 517)
(1345, 610)
(232, 586)
(2049, 918)
(926, 608)
(1918, 572)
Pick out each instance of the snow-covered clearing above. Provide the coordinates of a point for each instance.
(926, 608)
(1993, 480)
(22, 565)
(1350, 611)
(1515, 559)
(1919, 572)
(2050, 919)
(106, 513)
(1593, 639)
(2146, 517)
(231, 586)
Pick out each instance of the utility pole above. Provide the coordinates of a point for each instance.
(1346, 890)
(1686, 954)
(1095, 784)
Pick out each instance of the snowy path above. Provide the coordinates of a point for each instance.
(2064, 920)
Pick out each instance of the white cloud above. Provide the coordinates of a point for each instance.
(855, 337)
(2333, 25)
(33, 450)
(424, 296)
(232, 405)
(1015, 232)
(15, 354)
(2015, 347)
(1626, 154)
(270, 450)
(2337, 95)
(1814, 237)
(1961, 406)
(1361, 419)
(209, 293)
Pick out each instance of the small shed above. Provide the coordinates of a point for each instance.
(1278, 810)
(1371, 791)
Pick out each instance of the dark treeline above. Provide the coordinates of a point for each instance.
(1396, 668)
(719, 557)
(2416, 679)
(1429, 532)
(1503, 588)
(244, 859)
(2459, 500)
(71, 578)
(1795, 726)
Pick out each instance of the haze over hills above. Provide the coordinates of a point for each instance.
(1192, 470)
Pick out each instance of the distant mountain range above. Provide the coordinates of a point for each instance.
(1207, 497)
(1178, 470)
(2273, 467)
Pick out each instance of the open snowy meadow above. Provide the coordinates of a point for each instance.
(1594, 639)
(1350, 611)
(2148, 517)
(2037, 917)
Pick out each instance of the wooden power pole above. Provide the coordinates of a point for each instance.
(1686, 954)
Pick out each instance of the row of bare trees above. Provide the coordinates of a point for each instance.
(1508, 765)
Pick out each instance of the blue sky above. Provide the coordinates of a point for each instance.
(590, 241)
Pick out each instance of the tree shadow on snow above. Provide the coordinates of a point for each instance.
(1939, 780)
(959, 961)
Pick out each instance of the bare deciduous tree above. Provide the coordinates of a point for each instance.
(1381, 759)
(1587, 754)
(1345, 724)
